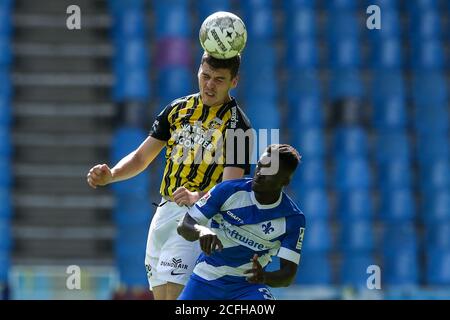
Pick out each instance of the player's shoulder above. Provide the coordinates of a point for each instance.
(181, 100)
(243, 184)
(290, 206)
(238, 117)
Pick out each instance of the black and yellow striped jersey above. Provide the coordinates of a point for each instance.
(197, 138)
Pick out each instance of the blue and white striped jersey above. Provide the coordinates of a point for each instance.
(246, 227)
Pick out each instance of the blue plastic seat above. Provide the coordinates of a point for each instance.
(259, 23)
(425, 24)
(384, 5)
(387, 84)
(435, 175)
(353, 271)
(6, 87)
(436, 207)
(430, 147)
(173, 19)
(5, 172)
(5, 234)
(392, 145)
(336, 5)
(174, 82)
(422, 5)
(400, 235)
(354, 206)
(428, 55)
(342, 24)
(344, 53)
(438, 267)
(132, 85)
(264, 113)
(5, 52)
(397, 205)
(304, 83)
(314, 269)
(5, 20)
(389, 113)
(431, 120)
(5, 264)
(438, 235)
(255, 61)
(429, 88)
(5, 200)
(125, 140)
(390, 26)
(291, 5)
(310, 142)
(357, 236)
(401, 267)
(352, 173)
(314, 203)
(5, 112)
(345, 84)
(306, 112)
(5, 142)
(394, 174)
(133, 54)
(130, 23)
(302, 54)
(132, 209)
(311, 175)
(387, 54)
(301, 24)
(350, 141)
(206, 8)
(317, 237)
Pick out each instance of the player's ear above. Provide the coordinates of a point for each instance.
(234, 81)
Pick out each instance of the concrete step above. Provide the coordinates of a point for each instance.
(23, 20)
(63, 202)
(97, 140)
(59, 6)
(63, 79)
(63, 233)
(61, 35)
(62, 95)
(67, 50)
(49, 64)
(67, 110)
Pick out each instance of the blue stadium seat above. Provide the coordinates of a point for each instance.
(314, 269)
(5, 112)
(6, 87)
(303, 83)
(430, 147)
(435, 175)
(392, 145)
(429, 88)
(5, 52)
(397, 205)
(354, 206)
(394, 174)
(132, 209)
(345, 84)
(425, 24)
(353, 271)
(125, 140)
(255, 61)
(357, 236)
(133, 54)
(5, 172)
(310, 142)
(342, 24)
(259, 23)
(118, 6)
(436, 207)
(132, 272)
(174, 82)
(336, 5)
(255, 84)
(431, 120)
(428, 55)
(387, 54)
(302, 54)
(350, 141)
(173, 19)
(5, 200)
(264, 113)
(256, 4)
(438, 267)
(438, 235)
(5, 234)
(422, 5)
(344, 53)
(400, 236)
(5, 142)
(306, 112)
(300, 24)
(291, 5)
(400, 267)
(384, 5)
(5, 20)
(387, 84)
(352, 173)
(5, 263)
(131, 85)
(389, 113)
(130, 23)
(318, 238)
(314, 203)
(205, 7)
(312, 174)
(391, 26)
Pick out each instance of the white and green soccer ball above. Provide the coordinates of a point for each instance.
(223, 35)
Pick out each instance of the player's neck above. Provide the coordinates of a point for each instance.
(267, 197)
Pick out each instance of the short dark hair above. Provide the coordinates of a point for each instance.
(288, 155)
(231, 64)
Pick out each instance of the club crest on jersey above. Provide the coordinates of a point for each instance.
(300, 239)
(267, 227)
(203, 199)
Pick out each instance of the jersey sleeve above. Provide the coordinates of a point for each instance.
(209, 205)
(161, 127)
(241, 147)
(291, 245)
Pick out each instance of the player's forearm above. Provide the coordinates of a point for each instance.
(278, 278)
(189, 229)
(128, 167)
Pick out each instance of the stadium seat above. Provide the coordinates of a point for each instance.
(400, 236)
(173, 52)
(118, 6)
(172, 19)
(345, 84)
(341, 5)
(387, 54)
(352, 173)
(5, 263)
(131, 85)
(431, 120)
(344, 53)
(353, 271)
(430, 147)
(421, 5)
(132, 209)
(318, 238)
(5, 200)
(350, 141)
(5, 52)
(255, 61)
(264, 113)
(133, 54)
(428, 55)
(301, 24)
(206, 8)
(438, 235)
(312, 174)
(304, 83)
(435, 175)
(5, 234)
(314, 203)
(342, 24)
(391, 26)
(400, 267)
(174, 82)
(132, 271)
(392, 145)
(255, 84)
(354, 205)
(356, 236)
(259, 23)
(5, 19)
(310, 142)
(384, 5)
(306, 112)
(291, 5)
(394, 174)
(438, 267)
(302, 54)
(6, 87)
(425, 24)
(397, 205)
(129, 23)
(5, 112)
(436, 207)
(429, 88)
(387, 84)
(314, 269)
(125, 140)
(389, 113)
(5, 172)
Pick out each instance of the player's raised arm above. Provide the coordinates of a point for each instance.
(130, 166)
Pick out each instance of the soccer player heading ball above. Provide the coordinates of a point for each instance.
(251, 220)
(195, 130)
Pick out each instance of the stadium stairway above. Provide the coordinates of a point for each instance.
(62, 126)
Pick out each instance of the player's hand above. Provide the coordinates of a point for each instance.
(209, 241)
(184, 197)
(257, 273)
(99, 175)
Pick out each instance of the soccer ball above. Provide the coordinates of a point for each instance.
(223, 35)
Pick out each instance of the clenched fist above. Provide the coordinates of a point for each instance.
(99, 175)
